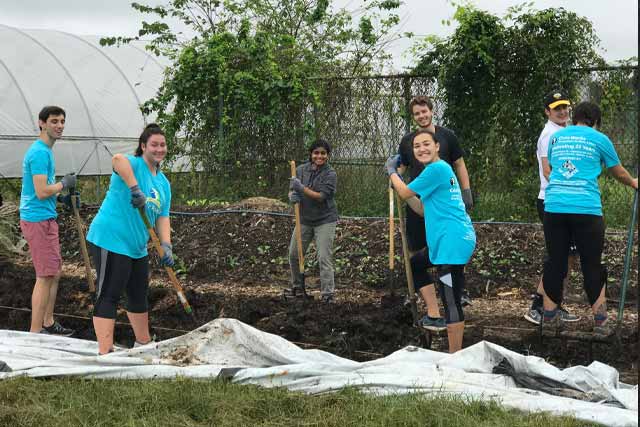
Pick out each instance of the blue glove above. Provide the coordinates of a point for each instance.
(138, 199)
(167, 258)
(296, 185)
(392, 164)
(295, 197)
(66, 200)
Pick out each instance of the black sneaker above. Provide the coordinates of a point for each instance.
(57, 329)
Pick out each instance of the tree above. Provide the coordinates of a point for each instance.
(492, 74)
(239, 87)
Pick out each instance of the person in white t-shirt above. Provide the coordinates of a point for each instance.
(556, 108)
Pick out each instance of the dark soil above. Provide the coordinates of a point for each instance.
(234, 265)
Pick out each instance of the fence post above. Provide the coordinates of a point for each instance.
(406, 91)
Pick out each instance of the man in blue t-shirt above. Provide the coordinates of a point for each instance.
(38, 219)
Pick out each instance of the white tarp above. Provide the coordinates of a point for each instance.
(229, 348)
(100, 88)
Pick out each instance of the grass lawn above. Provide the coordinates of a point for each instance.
(185, 402)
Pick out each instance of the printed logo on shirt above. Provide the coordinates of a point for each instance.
(569, 169)
(554, 140)
(452, 181)
(154, 200)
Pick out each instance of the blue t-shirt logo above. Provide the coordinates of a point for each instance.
(569, 169)
(155, 201)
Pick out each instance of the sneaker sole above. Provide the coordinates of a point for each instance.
(570, 320)
(531, 319)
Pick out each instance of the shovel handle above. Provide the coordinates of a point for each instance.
(407, 262)
(83, 243)
(391, 229)
(169, 270)
(296, 210)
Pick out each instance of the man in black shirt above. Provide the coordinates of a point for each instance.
(421, 108)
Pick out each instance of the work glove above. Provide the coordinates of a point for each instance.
(138, 199)
(69, 181)
(296, 185)
(65, 199)
(467, 198)
(167, 258)
(392, 164)
(295, 197)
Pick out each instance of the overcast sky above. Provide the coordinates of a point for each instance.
(615, 21)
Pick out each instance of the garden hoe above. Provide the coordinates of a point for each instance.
(83, 242)
(627, 264)
(170, 272)
(411, 296)
(294, 291)
(391, 242)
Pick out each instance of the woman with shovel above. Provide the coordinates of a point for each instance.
(314, 188)
(119, 237)
(450, 235)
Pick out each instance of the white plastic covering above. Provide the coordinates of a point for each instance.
(100, 88)
(229, 348)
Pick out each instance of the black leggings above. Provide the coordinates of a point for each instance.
(588, 233)
(115, 273)
(450, 284)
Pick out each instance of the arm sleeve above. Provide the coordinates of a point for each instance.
(327, 186)
(426, 182)
(133, 161)
(455, 150)
(39, 164)
(543, 145)
(166, 206)
(403, 150)
(608, 153)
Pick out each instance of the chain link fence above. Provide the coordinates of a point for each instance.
(365, 118)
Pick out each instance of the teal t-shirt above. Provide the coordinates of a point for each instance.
(450, 235)
(118, 226)
(575, 155)
(38, 160)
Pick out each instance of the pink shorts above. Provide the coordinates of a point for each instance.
(44, 246)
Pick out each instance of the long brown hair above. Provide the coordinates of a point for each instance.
(150, 129)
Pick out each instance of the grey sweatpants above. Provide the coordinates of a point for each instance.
(323, 235)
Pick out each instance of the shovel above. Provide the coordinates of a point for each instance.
(170, 272)
(407, 266)
(296, 207)
(83, 243)
(391, 241)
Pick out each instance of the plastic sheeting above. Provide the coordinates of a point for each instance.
(100, 88)
(229, 348)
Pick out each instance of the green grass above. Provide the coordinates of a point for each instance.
(184, 402)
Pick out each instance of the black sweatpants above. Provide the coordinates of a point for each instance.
(588, 232)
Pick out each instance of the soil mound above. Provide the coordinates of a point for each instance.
(261, 204)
